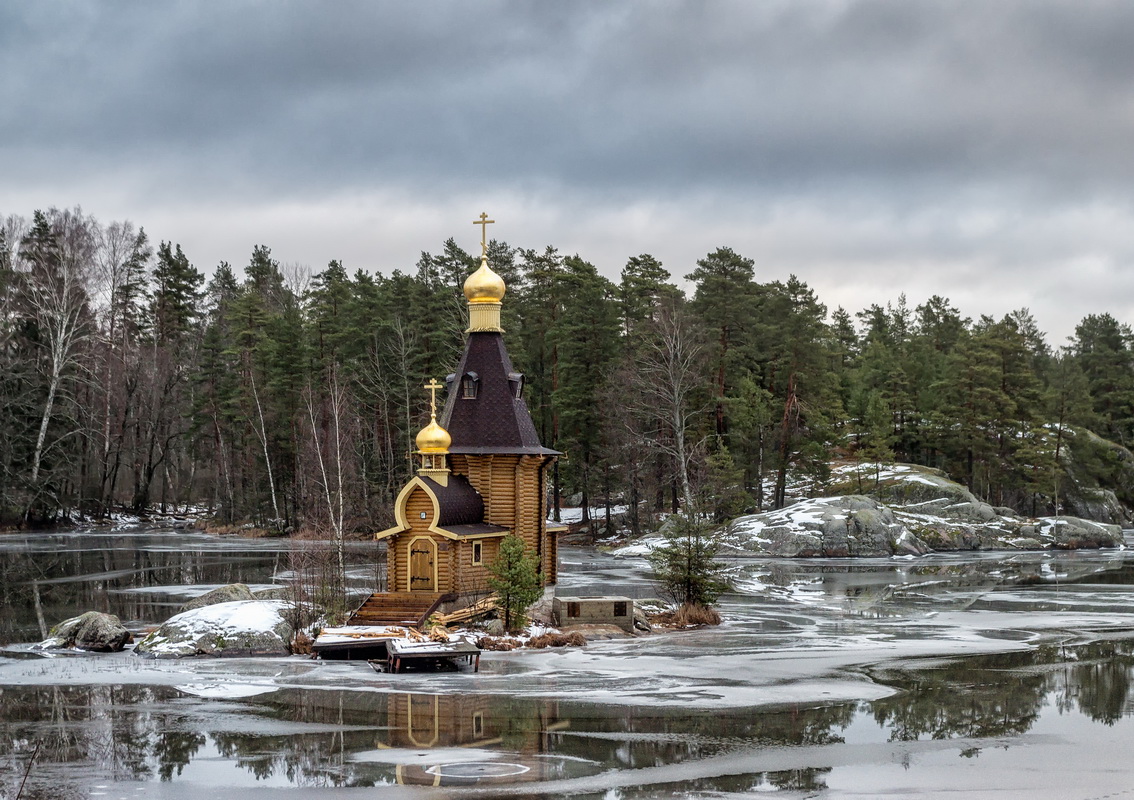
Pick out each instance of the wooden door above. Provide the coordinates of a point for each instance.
(423, 565)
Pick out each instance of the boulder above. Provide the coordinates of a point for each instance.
(641, 621)
(1101, 505)
(242, 628)
(93, 631)
(231, 593)
(900, 484)
(1071, 533)
(829, 526)
(540, 611)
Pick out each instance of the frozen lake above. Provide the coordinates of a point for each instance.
(1001, 676)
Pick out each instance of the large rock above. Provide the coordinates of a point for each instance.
(93, 631)
(231, 593)
(861, 526)
(243, 628)
(952, 532)
(900, 484)
(827, 526)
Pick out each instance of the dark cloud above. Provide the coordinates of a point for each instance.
(942, 133)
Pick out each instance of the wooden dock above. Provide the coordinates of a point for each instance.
(401, 653)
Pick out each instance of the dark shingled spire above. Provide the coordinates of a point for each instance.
(496, 420)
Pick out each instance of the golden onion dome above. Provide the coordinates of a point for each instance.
(484, 285)
(433, 438)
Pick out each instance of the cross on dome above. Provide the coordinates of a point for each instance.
(433, 386)
(484, 222)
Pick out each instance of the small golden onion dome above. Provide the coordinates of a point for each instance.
(433, 438)
(484, 285)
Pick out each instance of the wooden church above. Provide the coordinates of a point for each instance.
(483, 475)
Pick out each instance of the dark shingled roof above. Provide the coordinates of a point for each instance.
(460, 503)
(495, 421)
(473, 530)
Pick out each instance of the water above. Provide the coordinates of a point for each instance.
(976, 675)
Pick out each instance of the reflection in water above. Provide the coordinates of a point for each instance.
(141, 577)
(328, 738)
(350, 737)
(1004, 694)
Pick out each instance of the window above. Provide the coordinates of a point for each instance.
(516, 383)
(469, 383)
(573, 610)
(620, 609)
(477, 553)
(478, 723)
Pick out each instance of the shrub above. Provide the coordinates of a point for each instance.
(686, 566)
(515, 580)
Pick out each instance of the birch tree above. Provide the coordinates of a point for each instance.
(57, 255)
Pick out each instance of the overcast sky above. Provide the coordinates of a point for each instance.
(979, 150)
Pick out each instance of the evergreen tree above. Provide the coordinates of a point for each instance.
(515, 580)
(724, 300)
(176, 293)
(685, 565)
(585, 339)
(1104, 349)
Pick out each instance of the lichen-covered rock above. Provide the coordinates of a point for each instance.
(93, 631)
(828, 526)
(231, 593)
(1095, 504)
(242, 628)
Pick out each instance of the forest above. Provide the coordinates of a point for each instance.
(287, 398)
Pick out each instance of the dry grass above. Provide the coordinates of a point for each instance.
(690, 615)
(494, 643)
(301, 644)
(573, 639)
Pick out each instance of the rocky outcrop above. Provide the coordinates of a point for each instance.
(242, 628)
(922, 511)
(232, 593)
(92, 631)
(824, 527)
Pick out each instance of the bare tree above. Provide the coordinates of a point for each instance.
(667, 371)
(121, 256)
(329, 456)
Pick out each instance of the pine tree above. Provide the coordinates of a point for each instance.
(724, 300)
(1104, 349)
(515, 580)
(585, 338)
(685, 565)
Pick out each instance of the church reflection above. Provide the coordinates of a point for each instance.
(515, 736)
(79, 735)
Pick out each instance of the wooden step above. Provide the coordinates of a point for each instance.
(396, 608)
